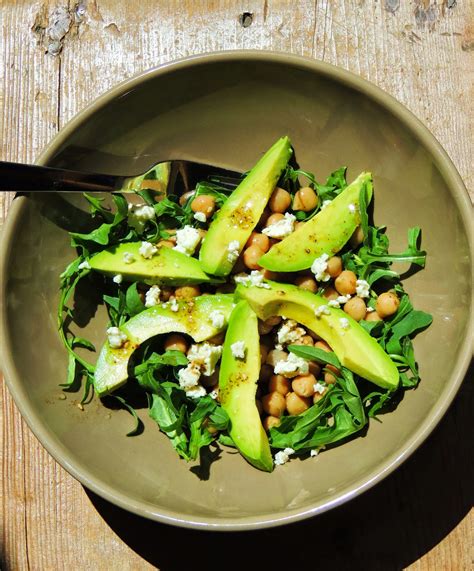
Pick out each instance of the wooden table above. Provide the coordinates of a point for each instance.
(57, 56)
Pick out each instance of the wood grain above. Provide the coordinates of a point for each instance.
(419, 51)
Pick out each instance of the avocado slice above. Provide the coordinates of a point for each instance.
(325, 233)
(190, 317)
(166, 267)
(238, 386)
(354, 347)
(241, 212)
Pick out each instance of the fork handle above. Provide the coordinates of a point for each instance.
(19, 177)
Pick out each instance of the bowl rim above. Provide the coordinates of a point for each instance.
(59, 452)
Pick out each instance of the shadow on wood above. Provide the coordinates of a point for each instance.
(375, 531)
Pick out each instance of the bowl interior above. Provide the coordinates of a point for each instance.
(228, 111)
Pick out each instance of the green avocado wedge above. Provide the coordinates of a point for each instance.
(190, 317)
(242, 211)
(165, 267)
(354, 347)
(238, 386)
(325, 233)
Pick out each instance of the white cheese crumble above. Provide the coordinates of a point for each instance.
(291, 367)
(316, 451)
(233, 251)
(174, 305)
(254, 279)
(289, 332)
(116, 337)
(214, 394)
(204, 357)
(147, 250)
(319, 388)
(238, 349)
(84, 265)
(319, 267)
(334, 303)
(187, 240)
(370, 309)
(283, 456)
(352, 208)
(217, 318)
(117, 279)
(362, 288)
(128, 258)
(282, 228)
(196, 392)
(152, 296)
(344, 322)
(139, 215)
(340, 300)
(188, 377)
(322, 310)
(200, 217)
(325, 203)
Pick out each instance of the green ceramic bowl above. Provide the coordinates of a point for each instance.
(226, 109)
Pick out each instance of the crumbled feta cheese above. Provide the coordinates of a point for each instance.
(283, 456)
(233, 251)
(117, 279)
(174, 305)
(362, 288)
(282, 228)
(238, 349)
(331, 421)
(322, 310)
(214, 394)
(204, 357)
(342, 299)
(352, 208)
(217, 318)
(147, 250)
(314, 452)
(254, 279)
(289, 332)
(325, 203)
(152, 296)
(139, 215)
(84, 265)
(319, 388)
(334, 303)
(188, 377)
(368, 402)
(196, 392)
(291, 367)
(200, 217)
(319, 267)
(187, 240)
(116, 337)
(370, 309)
(128, 258)
(344, 322)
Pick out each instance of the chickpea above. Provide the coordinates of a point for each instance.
(204, 203)
(307, 283)
(357, 237)
(334, 266)
(274, 218)
(314, 335)
(210, 428)
(275, 356)
(330, 293)
(262, 241)
(356, 308)
(305, 340)
(263, 352)
(186, 196)
(346, 282)
(303, 385)
(323, 345)
(274, 404)
(165, 244)
(318, 396)
(305, 199)
(387, 304)
(280, 200)
(314, 368)
(280, 384)
(270, 422)
(217, 339)
(258, 404)
(269, 275)
(187, 292)
(251, 257)
(330, 374)
(175, 342)
(266, 326)
(266, 371)
(296, 404)
(166, 293)
(373, 316)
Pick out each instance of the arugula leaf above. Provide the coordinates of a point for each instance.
(138, 427)
(133, 302)
(316, 354)
(98, 208)
(200, 436)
